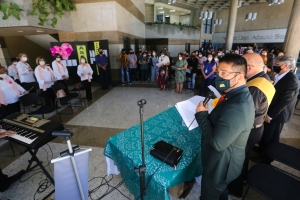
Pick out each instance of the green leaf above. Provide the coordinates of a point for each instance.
(16, 14)
(4, 7)
(5, 17)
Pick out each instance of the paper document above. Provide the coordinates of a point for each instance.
(187, 110)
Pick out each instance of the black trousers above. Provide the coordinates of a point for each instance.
(49, 96)
(236, 186)
(88, 89)
(271, 133)
(103, 78)
(3, 181)
(9, 109)
(132, 74)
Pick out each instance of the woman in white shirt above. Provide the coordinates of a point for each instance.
(85, 73)
(10, 92)
(45, 77)
(12, 70)
(59, 69)
(24, 70)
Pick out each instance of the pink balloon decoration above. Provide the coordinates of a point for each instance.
(65, 50)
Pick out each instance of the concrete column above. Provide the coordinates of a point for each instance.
(231, 24)
(291, 43)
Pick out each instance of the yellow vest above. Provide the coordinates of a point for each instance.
(265, 86)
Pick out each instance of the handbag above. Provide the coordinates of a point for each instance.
(79, 86)
(162, 149)
(60, 94)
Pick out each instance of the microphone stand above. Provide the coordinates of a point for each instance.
(142, 168)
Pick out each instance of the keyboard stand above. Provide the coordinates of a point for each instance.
(39, 163)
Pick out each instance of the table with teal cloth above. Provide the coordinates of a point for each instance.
(125, 150)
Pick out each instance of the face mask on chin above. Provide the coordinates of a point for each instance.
(222, 84)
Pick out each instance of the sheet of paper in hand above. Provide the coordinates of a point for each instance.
(187, 110)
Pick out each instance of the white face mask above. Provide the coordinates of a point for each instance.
(219, 54)
(162, 55)
(15, 63)
(24, 59)
(58, 59)
(180, 58)
(184, 52)
(264, 54)
(82, 61)
(200, 55)
(154, 54)
(42, 63)
(216, 59)
(209, 59)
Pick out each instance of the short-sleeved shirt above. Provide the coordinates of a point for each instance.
(144, 66)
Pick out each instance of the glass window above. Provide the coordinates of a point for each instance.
(207, 25)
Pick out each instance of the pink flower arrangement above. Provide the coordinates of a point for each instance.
(65, 50)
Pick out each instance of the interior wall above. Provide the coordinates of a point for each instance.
(19, 44)
(174, 19)
(185, 19)
(149, 14)
(268, 17)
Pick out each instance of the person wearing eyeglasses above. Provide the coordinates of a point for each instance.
(208, 70)
(262, 91)
(226, 129)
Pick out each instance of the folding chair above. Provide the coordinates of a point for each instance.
(60, 86)
(272, 183)
(285, 154)
(28, 99)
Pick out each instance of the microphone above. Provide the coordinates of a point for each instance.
(141, 102)
(210, 95)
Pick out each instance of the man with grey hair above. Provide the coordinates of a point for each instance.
(283, 104)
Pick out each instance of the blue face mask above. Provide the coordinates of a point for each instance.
(222, 84)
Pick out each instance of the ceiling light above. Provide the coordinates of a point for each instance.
(240, 3)
(169, 1)
(40, 31)
(182, 13)
(251, 16)
(275, 2)
(161, 11)
(167, 15)
(20, 31)
(172, 10)
(160, 8)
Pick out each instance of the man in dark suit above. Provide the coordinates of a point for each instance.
(283, 104)
(226, 129)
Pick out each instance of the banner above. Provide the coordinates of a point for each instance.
(81, 51)
(96, 47)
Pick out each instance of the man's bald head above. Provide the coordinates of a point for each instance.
(255, 64)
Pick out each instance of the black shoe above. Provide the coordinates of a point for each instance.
(257, 159)
(235, 194)
(16, 177)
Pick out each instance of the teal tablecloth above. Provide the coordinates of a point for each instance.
(125, 150)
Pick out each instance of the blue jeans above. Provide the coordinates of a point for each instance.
(154, 73)
(192, 83)
(123, 71)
